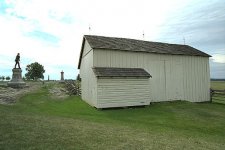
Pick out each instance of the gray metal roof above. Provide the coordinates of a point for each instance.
(120, 72)
(101, 42)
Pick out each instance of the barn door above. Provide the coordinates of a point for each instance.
(157, 82)
(167, 80)
(173, 80)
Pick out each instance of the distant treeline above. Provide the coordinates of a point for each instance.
(217, 79)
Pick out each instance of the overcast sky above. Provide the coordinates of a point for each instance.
(50, 31)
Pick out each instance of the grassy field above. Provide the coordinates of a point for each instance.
(37, 121)
(2, 84)
(218, 85)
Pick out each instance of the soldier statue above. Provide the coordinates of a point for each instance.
(17, 81)
(17, 60)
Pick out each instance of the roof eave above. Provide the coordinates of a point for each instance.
(81, 52)
(123, 76)
(163, 53)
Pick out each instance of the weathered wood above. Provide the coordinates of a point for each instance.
(216, 93)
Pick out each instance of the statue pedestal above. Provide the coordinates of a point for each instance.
(17, 81)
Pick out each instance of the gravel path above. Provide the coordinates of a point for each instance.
(10, 95)
(58, 92)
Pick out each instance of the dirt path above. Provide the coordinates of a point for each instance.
(58, 92)
(10, 95)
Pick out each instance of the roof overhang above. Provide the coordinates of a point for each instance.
(81, 52)
(110, 72)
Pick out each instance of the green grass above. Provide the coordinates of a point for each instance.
(218, 85)
(38, 122)
(3, 84)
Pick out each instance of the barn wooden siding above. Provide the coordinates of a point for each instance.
(88, 79)
(174, 77)
(119, 92)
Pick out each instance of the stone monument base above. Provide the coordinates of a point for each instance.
(17, 81)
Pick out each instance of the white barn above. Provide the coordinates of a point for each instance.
(118, 72)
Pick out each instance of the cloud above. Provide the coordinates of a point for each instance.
(217, 70)
(191, 17)
(31, 28)
(218, 58)
(50, 32)
(3, 7)
(44, 36)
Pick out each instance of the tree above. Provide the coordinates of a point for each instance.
(35, 71)
(8, 78)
